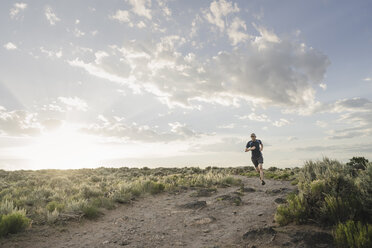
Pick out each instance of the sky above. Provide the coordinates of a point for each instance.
(183, 83)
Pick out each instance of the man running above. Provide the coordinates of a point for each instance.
(256, 146)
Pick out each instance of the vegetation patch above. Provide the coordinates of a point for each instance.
(333, 194)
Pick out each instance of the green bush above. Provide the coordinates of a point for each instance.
(295, 210)
(91, 212)
(51, 206)
(329, 193)
(13, 223)
(153, 187)
(353, 234)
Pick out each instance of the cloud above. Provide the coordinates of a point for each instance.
(226, 144)
(121, 16)
(18, 8)
(227, 126)
(64, 104)
(280, 123)
(323, 86)
(368, 79)
(52, 54)
(360, 147)
(236, 36)
(19, 123)
(10, 46)
(74, 103)
(264, 118)
(255, 117)
(165, 9)
(281, 74)
(217, 12)
(51, 16)
(321, 124)
(116, 128)
(354, 112)
(141, 8)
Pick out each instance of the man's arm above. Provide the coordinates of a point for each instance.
(250, 149)
(261, 146)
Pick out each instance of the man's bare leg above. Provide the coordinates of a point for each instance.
(260, 170)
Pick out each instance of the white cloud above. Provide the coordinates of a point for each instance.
(64, 104)
(264, 118)
(121, 16)
(234, 32)
(141, 24)
(10, 46)
(255, 117)
(116, 128)
(280, 123)
(282, 74)
(141, 7)
(52, 54)
(18, 8)
(78, 33)
(323, 86)
(51, 16)
(227, 126)
(368, 79)
(355, 114)
(267, 38)
(166, 11)
(19, 123)
(218, 10)
(321, 124)
(74, 103)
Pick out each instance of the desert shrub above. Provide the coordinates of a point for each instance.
(294, 211)
(231, 180)
(51, 206)
(329, 194)
(76, 206)
(153, 187)
(91, 212)
(90, 192)
(122, 197)
(103, 202)
(52, 216)
(358, 163)
(13, 223)
(273, 168)
(353, 234)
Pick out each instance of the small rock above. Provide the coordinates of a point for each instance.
(248, 189)
(124, 242)
(105, 242)
(234, 199)
(260, 214)
(280, 200)
(195, 204)
(204, 192)
(259, 232)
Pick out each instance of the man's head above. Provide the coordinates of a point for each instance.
(253, 136)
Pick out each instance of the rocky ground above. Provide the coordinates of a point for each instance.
(226, 217)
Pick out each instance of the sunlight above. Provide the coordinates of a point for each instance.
(62, 149)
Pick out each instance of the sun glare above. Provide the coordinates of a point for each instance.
(63, 149)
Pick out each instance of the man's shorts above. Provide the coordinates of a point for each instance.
(257, 161)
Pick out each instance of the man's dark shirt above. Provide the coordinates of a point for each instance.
(256, 153)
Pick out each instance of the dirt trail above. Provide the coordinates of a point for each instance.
(165, 221)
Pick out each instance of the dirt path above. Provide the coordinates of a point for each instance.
(183, 220)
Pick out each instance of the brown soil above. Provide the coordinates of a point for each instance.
(225, 218)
